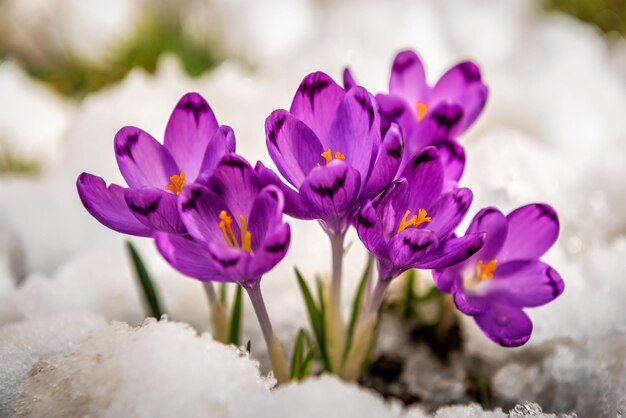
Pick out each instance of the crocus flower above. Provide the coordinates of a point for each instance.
(428, 115)
(506, 275)
(155, 173)
(237, 227)
(238, 234)
(328, 146)
(411, 224)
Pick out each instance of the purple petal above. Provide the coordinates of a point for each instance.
(355, 131)
(107, 205)
(393, 109)
(391, 205)
(387, 163)
(532, 231)
(294, 206)
(492, 222)
(441, 123)
(452, 251)
(525, 283)
(316, 103)
(452, 156)
(331, 192)
(155, 208)
(223, 142)
(189, 131)
(505, 325)
(408, 79)
(188, 257)
(230, 262)
(348, 79)
(200, 209)
(271, 251)
(470, 304)
(411, 245)
(462, 84)
(448, 211)
(424, 175)
(236, 183)
(294, 148)
(370, 231)
(447, 279)
(266, 214)
(142, 160)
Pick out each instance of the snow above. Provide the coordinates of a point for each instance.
(553, 131)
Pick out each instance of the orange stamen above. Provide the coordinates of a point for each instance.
(177, 183)
(415, 221)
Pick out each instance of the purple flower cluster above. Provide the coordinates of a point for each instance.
(389, 165)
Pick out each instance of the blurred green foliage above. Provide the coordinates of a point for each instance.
(608, 15)
(156, 34)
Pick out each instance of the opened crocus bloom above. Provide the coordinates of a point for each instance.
(506, 275)
(236, 225)
(427, 115)
(329, 148)
(157, 174)
(411, 224)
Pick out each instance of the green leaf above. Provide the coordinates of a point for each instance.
(307, 364)
(148, 291)
(409, 294)
(357, 304)
(315, 316)
(236, 317)
(296, 357)
(223, 294)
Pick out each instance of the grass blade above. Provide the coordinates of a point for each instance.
(296, 357)
(223, 293)
(148, 291)
(408, 304)
(315, 317)
(357, 305)
(236, 317)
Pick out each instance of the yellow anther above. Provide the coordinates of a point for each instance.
(415, 221)
(226, 225)
(177, 183)
(328, 156)
(484, 271)
(422, 109)
(246, 236)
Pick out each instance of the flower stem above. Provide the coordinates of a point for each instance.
(274, 348)
(219, 317)
(333, 321)
(379, 293)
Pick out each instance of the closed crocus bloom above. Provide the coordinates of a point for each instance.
(157, 173)
(411, 224)
(506, 275)
(328, 146)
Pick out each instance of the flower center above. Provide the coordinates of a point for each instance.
(177, 182)
(484, 271)
(328, 156)
(415, 221)
(226, 225)
(422, 109)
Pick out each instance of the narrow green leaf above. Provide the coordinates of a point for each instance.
(307, 364)
(236, 317)
(315, 316)
(356, 305)
(148, 291)
(409, 294)
(223, 294)
(296, 357)
(322, 311)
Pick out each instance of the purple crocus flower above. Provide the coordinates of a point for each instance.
(506, 275)
(328, 146)
(428, 115)
(236, 226)
(155, 173)
(411, 224)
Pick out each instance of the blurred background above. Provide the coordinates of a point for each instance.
(72, 72)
